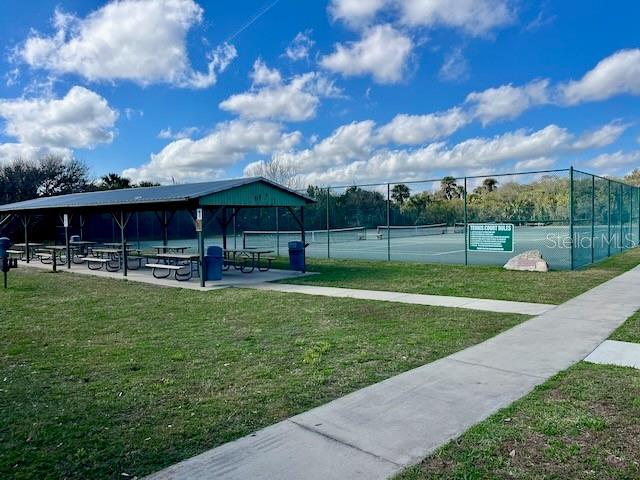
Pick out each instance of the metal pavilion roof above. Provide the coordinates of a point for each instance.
(144, 196)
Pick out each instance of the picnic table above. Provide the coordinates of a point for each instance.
(115, 244)
(181, 265)
(247, 259)
(169, 249)
(111, 259)
(49, 253)
(32, 247)
(80, 249)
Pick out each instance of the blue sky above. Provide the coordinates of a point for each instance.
(344, 91)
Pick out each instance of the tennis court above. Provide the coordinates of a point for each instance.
(427, 243)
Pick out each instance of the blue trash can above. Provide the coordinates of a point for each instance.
(213, 261)
(296, 256)
(5, 243)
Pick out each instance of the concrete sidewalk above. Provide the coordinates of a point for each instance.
(613, 352)
(502, 306)
(377, 431)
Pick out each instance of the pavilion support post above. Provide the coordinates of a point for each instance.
(122, 219)
(201, 271)
(225, 221)
(81, 222)
(304, 240)
(165, 228)
(300, 221)
(164, 217)
(66, 218)
(4, 220)
(26, 220)
(224, 224)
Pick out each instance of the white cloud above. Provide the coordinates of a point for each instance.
(616, 159)
(615, 75)
(207, 157)
(143, 41)
(455, 66)
(14, 151)
(263, 75)
(133, 112)
(81, 119)
(299, 48)
(507, 101)
(272, 98)
(355, 12)
(347, 143)
(475, 17)
(351, 154)
(169, 134)
(601, 137)
(382, 52)
(534, 164)
(415, 129)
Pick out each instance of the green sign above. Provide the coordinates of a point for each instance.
(490, 237)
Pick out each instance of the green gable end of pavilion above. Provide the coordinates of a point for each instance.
(255, 194)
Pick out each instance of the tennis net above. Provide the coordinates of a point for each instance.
(401, 231)
(458, 227)
(269, 238)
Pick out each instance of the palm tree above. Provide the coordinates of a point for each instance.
(400, 193)
(448, 187)
(113, 181)
(490, 184)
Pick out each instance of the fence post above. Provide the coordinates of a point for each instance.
(571, 214)
(466, 238)
(328, 224)
(631, 217)
(593, 217)
(620, 214)
(609, 218)
(388, 222)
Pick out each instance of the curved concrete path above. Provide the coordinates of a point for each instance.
(377, 431)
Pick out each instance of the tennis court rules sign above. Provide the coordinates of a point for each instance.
(490, 237)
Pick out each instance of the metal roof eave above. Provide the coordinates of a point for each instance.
(208, 188)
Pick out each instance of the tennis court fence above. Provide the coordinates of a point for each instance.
(572, 217)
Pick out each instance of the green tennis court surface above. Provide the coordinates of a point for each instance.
(437, 245)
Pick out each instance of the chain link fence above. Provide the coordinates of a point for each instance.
(573, 218)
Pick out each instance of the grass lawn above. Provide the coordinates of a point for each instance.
(629, 331)
(102, 378)
(467, 281)
(581, 424)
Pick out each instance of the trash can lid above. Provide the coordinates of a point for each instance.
(296, 245)
(214, 251)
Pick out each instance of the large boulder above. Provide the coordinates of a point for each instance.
(530, 261)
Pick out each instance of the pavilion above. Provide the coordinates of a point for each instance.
(220, 200)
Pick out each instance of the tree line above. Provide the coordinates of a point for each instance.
(544, 200)
(53, 175)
